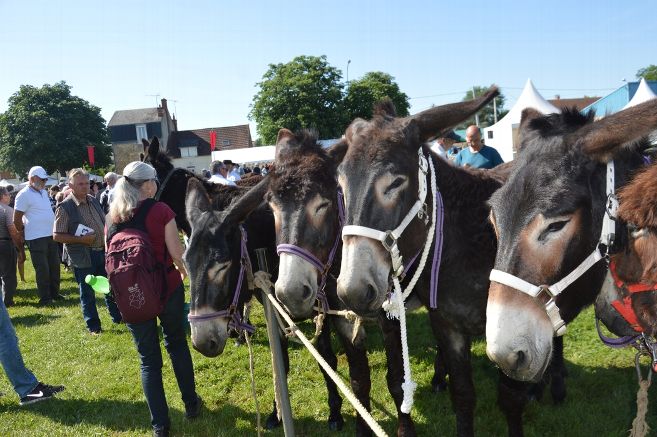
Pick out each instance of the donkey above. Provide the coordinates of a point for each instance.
(173, 183)
(548, 217)
(627, 303)
(379, 176)
(214, 260)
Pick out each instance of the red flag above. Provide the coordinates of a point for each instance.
(90, 153)
(213, 140)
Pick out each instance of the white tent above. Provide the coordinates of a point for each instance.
(643, 94)
(503, 135)
(246, 155)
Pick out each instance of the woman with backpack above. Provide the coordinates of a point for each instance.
(134, 193)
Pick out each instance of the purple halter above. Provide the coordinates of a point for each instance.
(316, 262)
(235, 321)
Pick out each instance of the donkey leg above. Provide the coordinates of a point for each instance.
(558, 372)
(273, 421)
(359, 369)
(395, 375)
(512, 398)
(335, 420)
(456, 349)
(439, 380)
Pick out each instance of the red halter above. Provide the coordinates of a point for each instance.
(624, 306)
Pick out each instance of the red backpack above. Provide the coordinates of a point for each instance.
(136, 277)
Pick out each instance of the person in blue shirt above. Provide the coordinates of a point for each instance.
(477, 155)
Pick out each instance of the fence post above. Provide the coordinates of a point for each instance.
(273, 332)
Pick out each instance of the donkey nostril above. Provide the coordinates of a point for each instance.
(371, 293)
(519, 362)
(307, 292)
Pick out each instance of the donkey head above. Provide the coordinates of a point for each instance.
(379, 178)
(159, 160)
(548, 218)
(213, 262)
(303, 196)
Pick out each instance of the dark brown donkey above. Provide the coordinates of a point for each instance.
(628, 302)
(218, 249)
(380, 180)
(548, 217)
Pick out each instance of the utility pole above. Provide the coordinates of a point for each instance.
(474, 96)
(348, 62)
(495, 110)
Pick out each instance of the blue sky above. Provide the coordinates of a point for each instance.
(206, 57)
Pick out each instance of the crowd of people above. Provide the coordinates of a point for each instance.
(75, 223)
(476, 154)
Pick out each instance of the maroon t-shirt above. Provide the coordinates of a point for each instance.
(159, 215)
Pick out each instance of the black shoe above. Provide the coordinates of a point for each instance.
(161, 432)
(45, 302)
(95, 331)
(9, 303)
(40, 393)
(195, 411)
(58, 297)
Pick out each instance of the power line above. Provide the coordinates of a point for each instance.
(513, 88)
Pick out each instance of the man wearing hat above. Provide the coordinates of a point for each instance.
(233, 171)
(444, 142)
(34, 219)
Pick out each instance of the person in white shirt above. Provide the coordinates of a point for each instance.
(34, 218)
(444, 143)
(219, 173)
(233, 171)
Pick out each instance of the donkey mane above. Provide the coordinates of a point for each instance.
(302, 167)
(638, 199)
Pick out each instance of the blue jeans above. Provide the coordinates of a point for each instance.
(145, 336)
(88, 296)
(20, 376)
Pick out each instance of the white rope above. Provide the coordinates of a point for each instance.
(351, 317)
(262, 281)
(394, 306)
(247, 337)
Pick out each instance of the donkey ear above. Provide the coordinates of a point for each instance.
(152, 148)
(196, 200)
(528, 114)
(146, 144)
(284, 140)
(240, 209)
(355, 128)
(434, 120)
(603, 139)
(337, 151)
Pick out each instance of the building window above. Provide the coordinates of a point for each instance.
(490, 134)
(188, 152)
(141, 132)
(225, 142)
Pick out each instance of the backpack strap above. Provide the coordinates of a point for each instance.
(138, 221)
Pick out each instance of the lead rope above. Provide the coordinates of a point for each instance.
(263, 281)
(640, 427)
(247, 337)
(395, 309)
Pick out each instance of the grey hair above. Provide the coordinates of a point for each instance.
(77, 172)
(111, 176)
(125, 196)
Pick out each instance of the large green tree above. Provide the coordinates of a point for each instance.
(648, 73)
(486, 116)
(363, 93)
(303, 93)
(48, 126)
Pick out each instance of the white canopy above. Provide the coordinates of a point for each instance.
(503, 134)
(643, 94)
(246, 155)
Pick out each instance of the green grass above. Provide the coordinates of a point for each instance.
(103, 394)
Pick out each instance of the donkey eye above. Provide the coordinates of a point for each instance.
(557, 226)
(395, 184)
(323, 206)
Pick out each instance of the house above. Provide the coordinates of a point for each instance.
(618, 99)
(190, 149)
(579, 103)
(127, 129)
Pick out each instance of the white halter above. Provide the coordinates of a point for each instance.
(395, 305)
(606, 238)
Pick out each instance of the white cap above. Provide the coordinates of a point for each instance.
(37, 170)
(139, 171)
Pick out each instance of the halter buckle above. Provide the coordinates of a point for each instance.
(423, 214)
(389, 241)
(546, 289)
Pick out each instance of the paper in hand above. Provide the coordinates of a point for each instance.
(83, 230)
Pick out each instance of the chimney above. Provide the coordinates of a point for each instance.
(164, 105)
(175, 123)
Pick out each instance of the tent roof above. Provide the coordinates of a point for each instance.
(529, 98)
(642, 94)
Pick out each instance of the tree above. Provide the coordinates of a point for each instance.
(648, 73)
(49, 127)
(363, 93)
(304, 93)
(486, 116)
